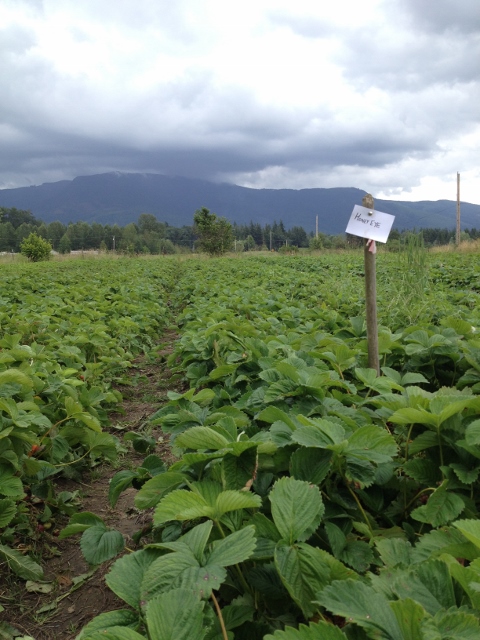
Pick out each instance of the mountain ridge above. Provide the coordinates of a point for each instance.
(119, 198)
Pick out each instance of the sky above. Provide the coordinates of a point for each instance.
(382, 95)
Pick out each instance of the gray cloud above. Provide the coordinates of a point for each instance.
(401, 94)
(443, 16)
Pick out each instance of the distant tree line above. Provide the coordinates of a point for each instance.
(149, 235)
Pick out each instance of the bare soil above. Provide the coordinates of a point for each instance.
(78, 593)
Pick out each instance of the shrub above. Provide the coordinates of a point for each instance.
(35, 248)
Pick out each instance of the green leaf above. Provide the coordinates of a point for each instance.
(467, 577)
(446, 540)
(223, 371)
(162, 574)
(297, 508)
(265, 579)
(201, 438)
(409, 616)
(201, 580)
(304, 572)
(358, 602)
(360, 471)
(459, 625)
(408, 415)
(181, 505)
(154, 465)
(310, 464)
(394, 552)
(7, 512)
(233, 549)
(336, 539)
(442, 507)
(429, 584)
(273, 414)
(320, 433)
(196, 539)
(358, 555)
(371, 380)
(89, 420)
(10, 485)
(264, 527)
(126, 576)
(154, 489)
(470, 529)
(232, 500)
(120, 618)
(423, 470)
(472, 433)
(209, 489)
(119, 483)
(372, 443)
(464, 474)
(237, 471)
(203, 397)
(79, 523)
(176, 615)
(101, 444)
(315, 631)
(15, 377)
(115, 633)
(425, 440)
(22, 565)
(99, 544)
(237, 613)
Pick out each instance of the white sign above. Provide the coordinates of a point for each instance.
(371, 224)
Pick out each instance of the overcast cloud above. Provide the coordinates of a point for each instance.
(379, 95)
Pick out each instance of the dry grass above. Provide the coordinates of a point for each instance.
(469, 246)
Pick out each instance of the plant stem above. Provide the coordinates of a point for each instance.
(53, 427)
(355, 497)
(441, 449)
(241, 577)
(415, 497)
(220, 617)
(409, 435)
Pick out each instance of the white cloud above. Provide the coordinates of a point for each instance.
(380, 95)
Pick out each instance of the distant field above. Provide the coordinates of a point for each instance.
(294, 460)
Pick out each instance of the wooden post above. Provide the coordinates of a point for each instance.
(457, 235)
(371, 298)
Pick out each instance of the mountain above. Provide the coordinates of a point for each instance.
(119, 198)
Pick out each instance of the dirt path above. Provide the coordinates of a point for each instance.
(76, 593)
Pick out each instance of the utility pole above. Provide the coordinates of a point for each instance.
(113, 243)
(457, 235)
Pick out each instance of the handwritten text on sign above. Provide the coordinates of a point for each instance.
(368, 223)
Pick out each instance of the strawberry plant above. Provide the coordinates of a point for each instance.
(63, 343)
(310, 498)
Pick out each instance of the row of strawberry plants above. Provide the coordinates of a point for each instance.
(310, 498)
(68, 331)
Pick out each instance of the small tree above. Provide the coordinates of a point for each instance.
(316, 243)
(64, 246)
(216, 234)
(36, 248)
(249, 244)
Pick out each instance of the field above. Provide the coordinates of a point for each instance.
(300, 495)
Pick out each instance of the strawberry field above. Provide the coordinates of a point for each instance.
(309, 498)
